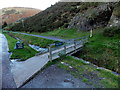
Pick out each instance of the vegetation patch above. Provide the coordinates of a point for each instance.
(89, 74)
(103, 50)
(116, 11)
(56, 16)
(64, 33)
(111, 31)
(33, 40)
(0, 30)
(21, 54)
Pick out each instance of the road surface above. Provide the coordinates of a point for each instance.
(7, 77)
(0, 61)
(54, 77)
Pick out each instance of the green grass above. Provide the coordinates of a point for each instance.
(85, 80)
(110, 78)
(33, 40)
(89, 73)
(64, 33)
(0, 30)
(11, 42)
(103, 51)
(21, 54)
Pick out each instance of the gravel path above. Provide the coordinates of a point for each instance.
(54, 77)
(7, 77)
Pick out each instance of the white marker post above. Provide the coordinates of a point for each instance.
(23, 23)
(91, 33)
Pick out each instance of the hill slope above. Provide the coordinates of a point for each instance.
(12, 14)
(54, 17)
(69, 14)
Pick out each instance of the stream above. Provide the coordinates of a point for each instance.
(77, 57)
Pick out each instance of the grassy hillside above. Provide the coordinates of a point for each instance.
(54, 17)
(92, 14)
(12, 14)
(103, 49)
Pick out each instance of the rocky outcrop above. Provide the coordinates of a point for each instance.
(114, 21)
(115, 18)
(92, 18)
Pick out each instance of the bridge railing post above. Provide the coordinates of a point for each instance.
(65, 48)
(75, 44)
(50, 53)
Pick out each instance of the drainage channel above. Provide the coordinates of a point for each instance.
(77, 55)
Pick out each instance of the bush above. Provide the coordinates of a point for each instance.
(111, 31)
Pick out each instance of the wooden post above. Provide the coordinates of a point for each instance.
(75, 44)
(82, 41)
(50, 53)
(65, 47)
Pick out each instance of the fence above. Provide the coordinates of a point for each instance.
(68, 47)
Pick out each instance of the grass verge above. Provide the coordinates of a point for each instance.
(21, 54)
(90, 74)
(33, 40)
(0, 30)
(64, 33)
(102, 50)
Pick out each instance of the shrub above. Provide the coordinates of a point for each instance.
(111, 31)
(4, 25)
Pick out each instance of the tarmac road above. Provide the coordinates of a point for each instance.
(54, 77)
(7, 77)
(0, 62)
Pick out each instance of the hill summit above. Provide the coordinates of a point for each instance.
(12, 14)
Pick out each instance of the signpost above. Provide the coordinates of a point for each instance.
(19, 45)
(58, 43)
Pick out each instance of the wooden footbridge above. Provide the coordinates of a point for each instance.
(69, 47)
(23, 71)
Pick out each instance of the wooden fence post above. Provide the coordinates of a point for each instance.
(83, 41)
(50, 53)
(75, 44)
(65, 47)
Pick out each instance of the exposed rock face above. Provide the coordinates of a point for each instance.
(114, 21)
(92, 18)
(115, 18)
